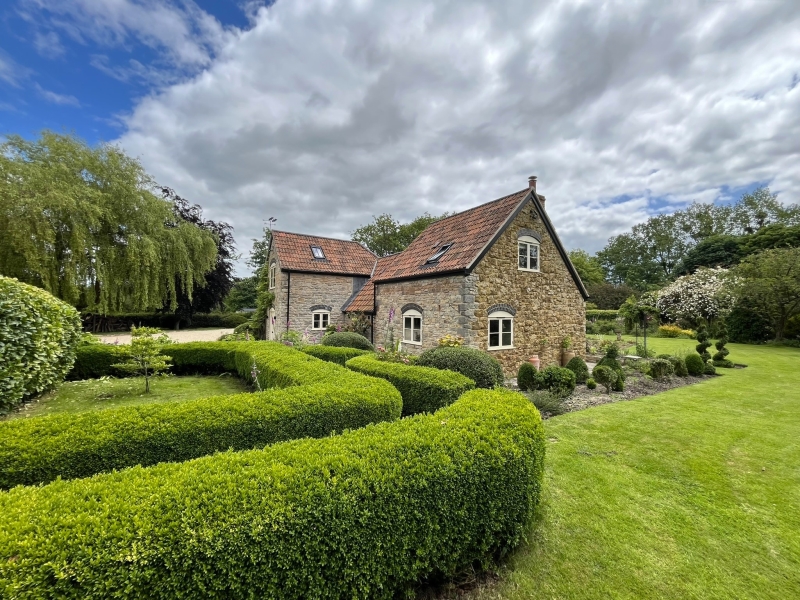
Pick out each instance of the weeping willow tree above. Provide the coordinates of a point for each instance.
(85, 224)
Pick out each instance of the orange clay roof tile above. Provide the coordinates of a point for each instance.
(342, 257)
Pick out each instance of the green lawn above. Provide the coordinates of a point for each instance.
(693, 493)
(97, 394)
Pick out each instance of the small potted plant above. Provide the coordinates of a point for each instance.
(566, 355)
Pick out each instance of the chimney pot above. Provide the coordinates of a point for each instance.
(532, 183)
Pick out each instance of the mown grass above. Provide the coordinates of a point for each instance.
(108, 392)
(693, 493)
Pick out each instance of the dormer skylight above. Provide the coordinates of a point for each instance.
(317, 252)
(439, 253)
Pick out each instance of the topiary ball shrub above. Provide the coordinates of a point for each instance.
(694, 365)
(591, 384)
(614, 365)
(678, 366)
(347, 339)
(39, 335)
(559, 381)
(709, 369)
(660, 368)
(527, 377)
(605, 376)
(479, 366)
(578, 366)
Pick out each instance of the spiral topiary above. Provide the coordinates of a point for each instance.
(704, 345)
(720, 358)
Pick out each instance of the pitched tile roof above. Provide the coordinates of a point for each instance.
(363, 301)
(342, 257)
(468, 232)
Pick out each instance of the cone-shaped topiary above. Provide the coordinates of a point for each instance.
(527, 377)
(578, 366)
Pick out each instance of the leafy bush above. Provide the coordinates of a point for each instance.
(451, 341)
(334, 354)
(347, 339)
(660, 368)
(644, 352)
(93, 361)
(695, 365)
(479, 366)
(747, 325)
(674, 331)
(547, 403)
(602, 315)
(223, 320)
(605, 376)
(709, 369)
(723, 364)
(578, 366)
(611, 362)
(337, 517)
(559, 381)
(423, 389)
(395, 356)
(39, 336)
(678, 365)
(78, 445)
(591, 384)
(144, 355)
(527, 377)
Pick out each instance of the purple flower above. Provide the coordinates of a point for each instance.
(391, 314)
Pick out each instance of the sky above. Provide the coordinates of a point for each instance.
(323, 113)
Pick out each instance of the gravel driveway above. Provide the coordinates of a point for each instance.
(186, 335)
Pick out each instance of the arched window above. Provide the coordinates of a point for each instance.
(501, 330)
(272, 276)
(320, 319)
(412, 327)
(528, 247)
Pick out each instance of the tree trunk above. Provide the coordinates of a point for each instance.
(146, 381)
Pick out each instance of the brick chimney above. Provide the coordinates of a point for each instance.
(532, 186)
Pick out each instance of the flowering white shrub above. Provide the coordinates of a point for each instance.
(706, 294)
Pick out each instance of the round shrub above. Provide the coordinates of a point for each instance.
(660, 368)
(591, 384)
(709, 369)
(527, 377)
(678, 366)
(479, 366)
(694, 365)
(347, 339)
(39, 335)
(605, 376)
(614, 365)
(578, 366)
(559, 381)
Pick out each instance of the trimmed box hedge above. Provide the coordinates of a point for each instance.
(424, 389)
(365, 514)
(334, 354)
(93, 361)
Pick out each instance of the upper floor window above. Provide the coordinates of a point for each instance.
(272, 276)
(501, 330)
(320, 320)
(412, 327)
(528, 253)
(317, 252)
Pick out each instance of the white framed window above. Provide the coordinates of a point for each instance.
(501, 331)
(528, 250)
(320, 319)
(412, 327)
(272, 276)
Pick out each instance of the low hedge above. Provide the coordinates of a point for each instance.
(38, 337)
(479, 366)
(347, 339)
(93, 361)
(334, 354)
(423, 389)
(360, 515)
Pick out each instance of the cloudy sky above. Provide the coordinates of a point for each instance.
(323, 113)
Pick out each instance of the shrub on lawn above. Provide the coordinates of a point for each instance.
(423, 389)
(678, 365)
(660, 368)
(39, 336)
(591, 384)
(347, 339)
(605, 376)
(610, 360)
(363, 514)
(547, 403)
(526, 377)
(559, 381)
(720, 357)
(479, 366)
(709, 369)
(674, 331)
(578, 366)
(694, 365)
(334, 354)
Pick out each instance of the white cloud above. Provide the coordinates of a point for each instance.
(48, 44)
(10, 71)
(62, 99)
(326, 112)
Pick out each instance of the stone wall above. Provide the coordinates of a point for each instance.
(548, 304)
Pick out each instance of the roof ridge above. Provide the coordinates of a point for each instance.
(458, 214)
(323, 237)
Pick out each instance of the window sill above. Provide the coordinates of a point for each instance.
(412, 343)
(529, 270)
(318, 328)
(494, 348)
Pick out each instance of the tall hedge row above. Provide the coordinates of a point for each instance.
(38, 338)
(77, 445)
(359, 515)
(424, 389)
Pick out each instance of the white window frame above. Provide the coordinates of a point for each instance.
(323, 322)
(499, 317)
(272, 276)
(412, 314)
(529, 241)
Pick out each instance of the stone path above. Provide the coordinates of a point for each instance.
(186, 335)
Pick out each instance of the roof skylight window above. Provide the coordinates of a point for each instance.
(317, 252)
(435, 258)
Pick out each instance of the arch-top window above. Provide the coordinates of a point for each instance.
(528, 253)
(412, 327)
(320, 319)
(501, 330)
(272, 276)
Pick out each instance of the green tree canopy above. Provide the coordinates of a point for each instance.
(588, 267)
(85, 224)
(385, 235)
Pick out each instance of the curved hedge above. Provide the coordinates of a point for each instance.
(423, 389)
(331, 399)
(38, 338)
(478, 365)
(93, 361)
(347, 339)
(360, 515)
(334, 354)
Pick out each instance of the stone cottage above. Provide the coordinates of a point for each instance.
(496, 275)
